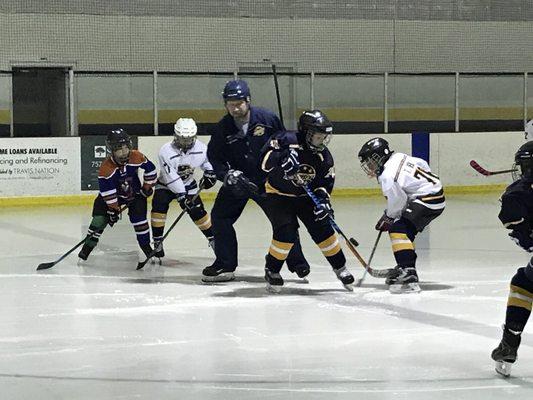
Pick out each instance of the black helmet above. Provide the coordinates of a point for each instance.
(523, 158)
(373, 156)
(119, 145)
(316, 128)
(236, 90)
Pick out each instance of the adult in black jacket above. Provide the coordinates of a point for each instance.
(234, 151)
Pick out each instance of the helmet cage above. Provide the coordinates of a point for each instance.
(119, 150)
(184, 142)
(373, 164)
(317, 140)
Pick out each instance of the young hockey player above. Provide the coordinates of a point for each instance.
(294, 160)
(178, 160)
(414, 198)
(234, 151)
(119, 185)
(516, 214)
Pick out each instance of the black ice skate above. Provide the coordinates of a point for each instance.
(506, 353)
(158, 247)
(84, 253)
(214, 273)
(403, 280)
(345, 277)
(301, 270)
(274, 281)
(148, 252)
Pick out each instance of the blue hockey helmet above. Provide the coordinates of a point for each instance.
(236, 90)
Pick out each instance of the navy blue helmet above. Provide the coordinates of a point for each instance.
(236, 90)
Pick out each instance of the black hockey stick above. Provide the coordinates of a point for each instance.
(141, 264)
(485, 172)
(360, 281)
(277, 93)
(51, 264)
(351, 243)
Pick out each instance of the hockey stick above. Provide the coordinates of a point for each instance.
(351, 243)
(51, 264)
(360, 281)
(141, 264)
(485, 172)
(277, 93)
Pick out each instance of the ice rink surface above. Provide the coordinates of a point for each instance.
(107, 331)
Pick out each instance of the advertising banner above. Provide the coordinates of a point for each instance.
(93, 153)
(39, 166)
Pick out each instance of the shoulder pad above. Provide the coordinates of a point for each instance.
(136, 157)
(107, 169)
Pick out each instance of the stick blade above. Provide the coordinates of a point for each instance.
(141, 264)
(479, 168)
(45, 265)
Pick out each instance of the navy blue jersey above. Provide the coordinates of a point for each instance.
(517, 206)
(316, 169)
(229, 148)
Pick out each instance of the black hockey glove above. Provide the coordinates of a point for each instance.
(290, 164)
(522, 239)
(147, 191)
(208, 180)
(239, 185)
(112, 216)
(323, 210)
(185, 202)
(384, 224)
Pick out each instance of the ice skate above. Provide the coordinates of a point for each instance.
(214, 273)
(84, 254)
(403, 280)
(158, 247)
(274, 281)
(345, 277)
(504, 356)
(302, 271)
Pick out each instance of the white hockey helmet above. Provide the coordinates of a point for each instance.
(529, 130)
(185, 131)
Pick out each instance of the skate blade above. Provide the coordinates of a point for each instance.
(223, 277)
(404, 288)
(348, 287)
(273, 288)
(503, 368)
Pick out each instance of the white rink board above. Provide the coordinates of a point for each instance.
(39, 166)
(450, 154)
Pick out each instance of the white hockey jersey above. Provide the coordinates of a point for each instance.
(405, 178)
(177, 167)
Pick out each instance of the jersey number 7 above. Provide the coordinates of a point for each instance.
(420, 173)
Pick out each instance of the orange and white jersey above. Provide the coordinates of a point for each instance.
(404, 179)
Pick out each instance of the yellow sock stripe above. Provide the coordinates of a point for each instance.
(330, 246)
(516, 302)
(280, 250)
(158, 219)
(400, 242)
(204, 222)
(522, 291)
(395, 235)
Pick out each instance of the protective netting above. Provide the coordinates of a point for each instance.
(319, 35)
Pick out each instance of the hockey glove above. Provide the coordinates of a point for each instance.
(385, 223)
(208, 180)
(185, 202)
(239, 185)
(113, 216)
(290, 164)
(522, 239)
(323, 210)
(147, 191)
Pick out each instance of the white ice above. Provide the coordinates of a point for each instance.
(107, 331)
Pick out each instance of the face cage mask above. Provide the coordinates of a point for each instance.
(372, 165)
(121, 153)
(184, 142)
(317, 141)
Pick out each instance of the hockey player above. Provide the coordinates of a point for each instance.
(414, 198)
(294, 160)
(516, 214)
(178, 160)
(119, 185)
(234, 152)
